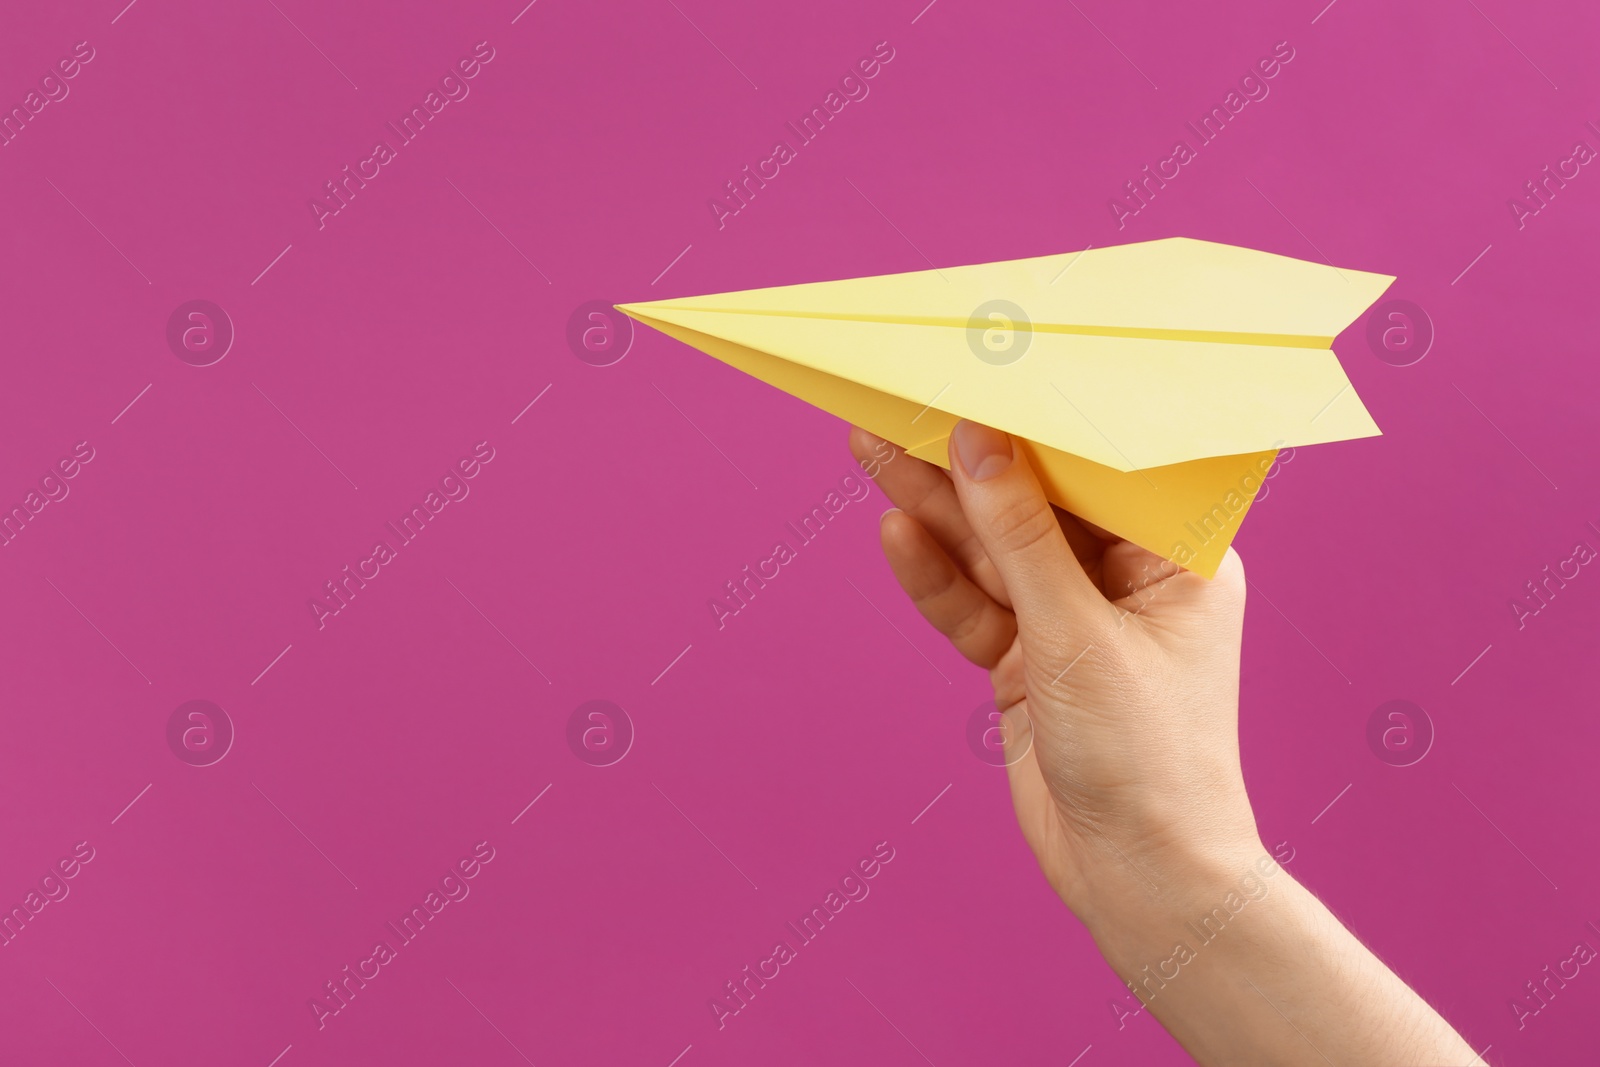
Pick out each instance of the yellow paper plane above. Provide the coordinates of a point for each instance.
(1150, 384)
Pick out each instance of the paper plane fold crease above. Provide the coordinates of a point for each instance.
(1151, 384)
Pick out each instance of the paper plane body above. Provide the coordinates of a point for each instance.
(1151, 384)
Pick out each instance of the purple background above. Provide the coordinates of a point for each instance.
(824, 717)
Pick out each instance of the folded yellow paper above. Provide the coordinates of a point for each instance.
(1150, 384)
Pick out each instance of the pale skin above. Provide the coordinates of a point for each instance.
(1117, 674)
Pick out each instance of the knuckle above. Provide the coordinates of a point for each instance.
(920, 498)
(966, 624)
(931, 591)
(1225, 594)
(1021, 525)
(1231, 574)
(969, 550)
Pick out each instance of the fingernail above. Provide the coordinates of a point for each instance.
(983, 452)
(866, 441)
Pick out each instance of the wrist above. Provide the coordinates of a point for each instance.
(1137, 898)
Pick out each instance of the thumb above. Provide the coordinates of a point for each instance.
(1008, 511)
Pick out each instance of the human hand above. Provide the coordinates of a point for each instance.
(1117, 675)
(1116, 672)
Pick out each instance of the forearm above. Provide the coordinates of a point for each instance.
(1243, 966)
